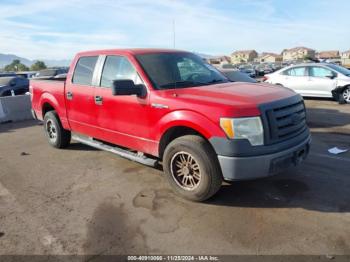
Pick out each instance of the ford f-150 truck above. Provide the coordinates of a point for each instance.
(170, 107)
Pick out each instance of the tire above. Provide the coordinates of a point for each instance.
(191, 156)
(57, 136)
(344, 97)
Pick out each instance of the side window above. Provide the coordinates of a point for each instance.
(316, 71)
(296, 71)
(118, 68)
(84, 70)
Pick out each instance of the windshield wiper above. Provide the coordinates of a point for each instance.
(185, 83)
(216, 81)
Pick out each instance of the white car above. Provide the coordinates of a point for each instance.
(314, 79)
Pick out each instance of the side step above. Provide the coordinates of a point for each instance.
(137, 157)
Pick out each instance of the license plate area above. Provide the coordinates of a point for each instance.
(294, 158)
(300, 155)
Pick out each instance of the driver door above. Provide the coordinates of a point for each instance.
(121, 119)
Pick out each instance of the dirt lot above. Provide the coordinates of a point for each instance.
(85, 201)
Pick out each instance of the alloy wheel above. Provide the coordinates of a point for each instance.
(346, 95)
(185, 170)
(51, 130)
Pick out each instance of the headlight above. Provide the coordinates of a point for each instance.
(244, 128)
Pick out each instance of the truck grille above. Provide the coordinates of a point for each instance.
(283, 119)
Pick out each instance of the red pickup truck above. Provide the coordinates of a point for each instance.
(170, 107)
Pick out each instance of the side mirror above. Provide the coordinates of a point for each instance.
(127, 87)
(332, 76)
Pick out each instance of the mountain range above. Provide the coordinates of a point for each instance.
(6, 59)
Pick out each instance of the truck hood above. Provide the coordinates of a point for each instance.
(235, 94)
(236, 99)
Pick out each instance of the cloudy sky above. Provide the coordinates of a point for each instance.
(56, 29)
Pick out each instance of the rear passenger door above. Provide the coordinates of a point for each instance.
(296, 78)
(79, 95)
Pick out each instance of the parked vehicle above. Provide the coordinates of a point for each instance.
(267, 69)
(153, 106)
(315, 79)
(235, 75)
(50, 73)
(13, 86)
(60, 76)
(260, 70)
(29, 74)
(249, 71)
(7, 74)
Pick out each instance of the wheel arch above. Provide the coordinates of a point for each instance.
(48, 102)
(337, 92)
(175, 132)
(184, 122)
(46, 107)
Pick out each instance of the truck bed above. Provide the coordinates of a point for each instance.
(49, 90)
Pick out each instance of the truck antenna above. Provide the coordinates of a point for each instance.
(174, 36)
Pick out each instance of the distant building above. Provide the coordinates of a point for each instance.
(345, 58)
(269, 58)
(298, 53)
(328, 55)
(218, 60)
(243, 56)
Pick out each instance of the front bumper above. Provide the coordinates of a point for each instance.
(251, 167)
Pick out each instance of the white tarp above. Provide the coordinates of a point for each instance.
(336, 150)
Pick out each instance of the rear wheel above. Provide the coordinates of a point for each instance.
(57, 136)
(191, 167)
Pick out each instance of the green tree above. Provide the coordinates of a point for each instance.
(38, 65)
(16, 66)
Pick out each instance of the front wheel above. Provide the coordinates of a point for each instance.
(191, 167)
(57, 136)
(345, 95)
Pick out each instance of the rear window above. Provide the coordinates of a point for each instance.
(84, 70)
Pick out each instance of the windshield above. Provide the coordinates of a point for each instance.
(340, 69)
(178, 70)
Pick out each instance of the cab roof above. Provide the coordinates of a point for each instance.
(132, 51)
(309, 64)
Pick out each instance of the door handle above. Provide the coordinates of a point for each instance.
(98, 100)
(69, 95)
